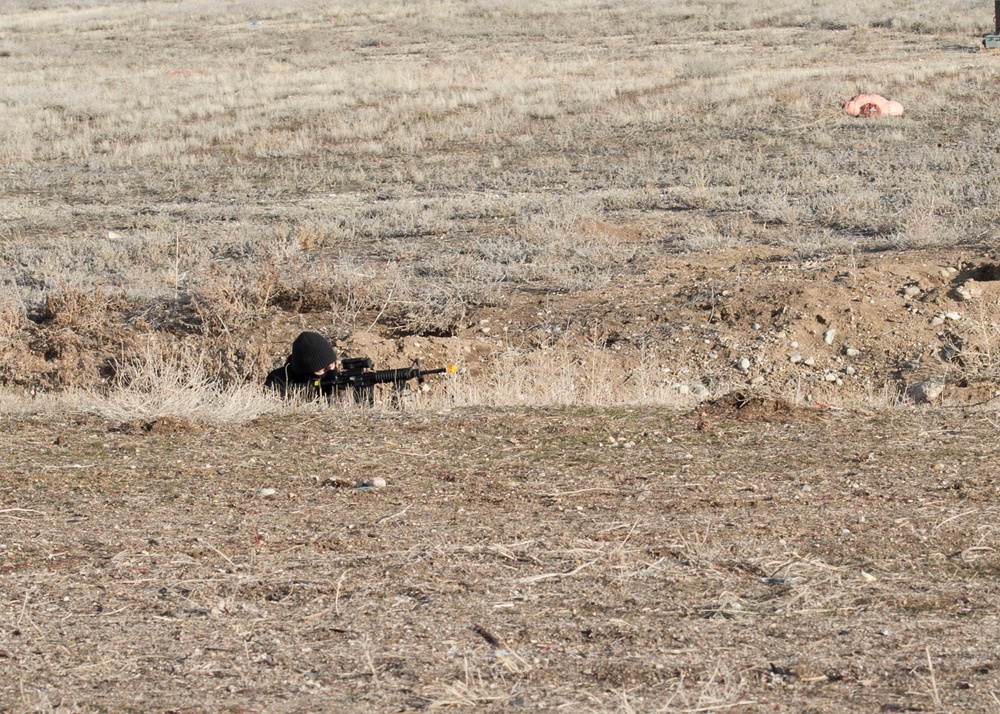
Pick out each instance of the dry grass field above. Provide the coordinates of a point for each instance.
(722, 433)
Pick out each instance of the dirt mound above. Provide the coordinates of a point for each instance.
(745, 407)
(913, 325)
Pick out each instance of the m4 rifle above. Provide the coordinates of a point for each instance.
(358, 377)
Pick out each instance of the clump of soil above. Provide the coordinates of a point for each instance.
(160, 426)
(741, 406)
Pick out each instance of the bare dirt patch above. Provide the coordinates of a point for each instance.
(620, 560)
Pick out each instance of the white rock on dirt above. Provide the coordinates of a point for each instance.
(969, 290)
(829, 336)
(927, 391)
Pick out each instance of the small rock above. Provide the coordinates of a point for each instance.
(755, 326)
(969, 290)
(911, 291)
(809, 361)
(829, 336)
(830, 377)
(852, 352)
(937, 320)
(743, 365)
(927, 391)
(377, 482)
(795, 359)
(954, 316)
(849, 370)
(265, 492)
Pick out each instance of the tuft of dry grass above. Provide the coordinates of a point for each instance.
(152, 385)
(558, 376)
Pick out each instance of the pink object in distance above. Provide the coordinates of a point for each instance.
(872, 105)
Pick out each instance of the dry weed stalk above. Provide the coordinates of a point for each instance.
(470, 691)
(160, 383)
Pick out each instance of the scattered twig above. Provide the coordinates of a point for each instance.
(386, 518)
(957, 515)
(371, 666)
(21, 510)
(336, 597)
(317, 615)
(934, 689)
(24, 615)
(505, 552)
(559, 494)
(488, 636)
(547, 576)
(381, 312)
(973, 549)
(720, 707)
(221, 554)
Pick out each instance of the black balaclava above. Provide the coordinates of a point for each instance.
(311, 352)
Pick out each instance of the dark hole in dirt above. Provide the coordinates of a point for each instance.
(986, 273)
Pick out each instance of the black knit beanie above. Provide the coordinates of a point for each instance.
(311, 352)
